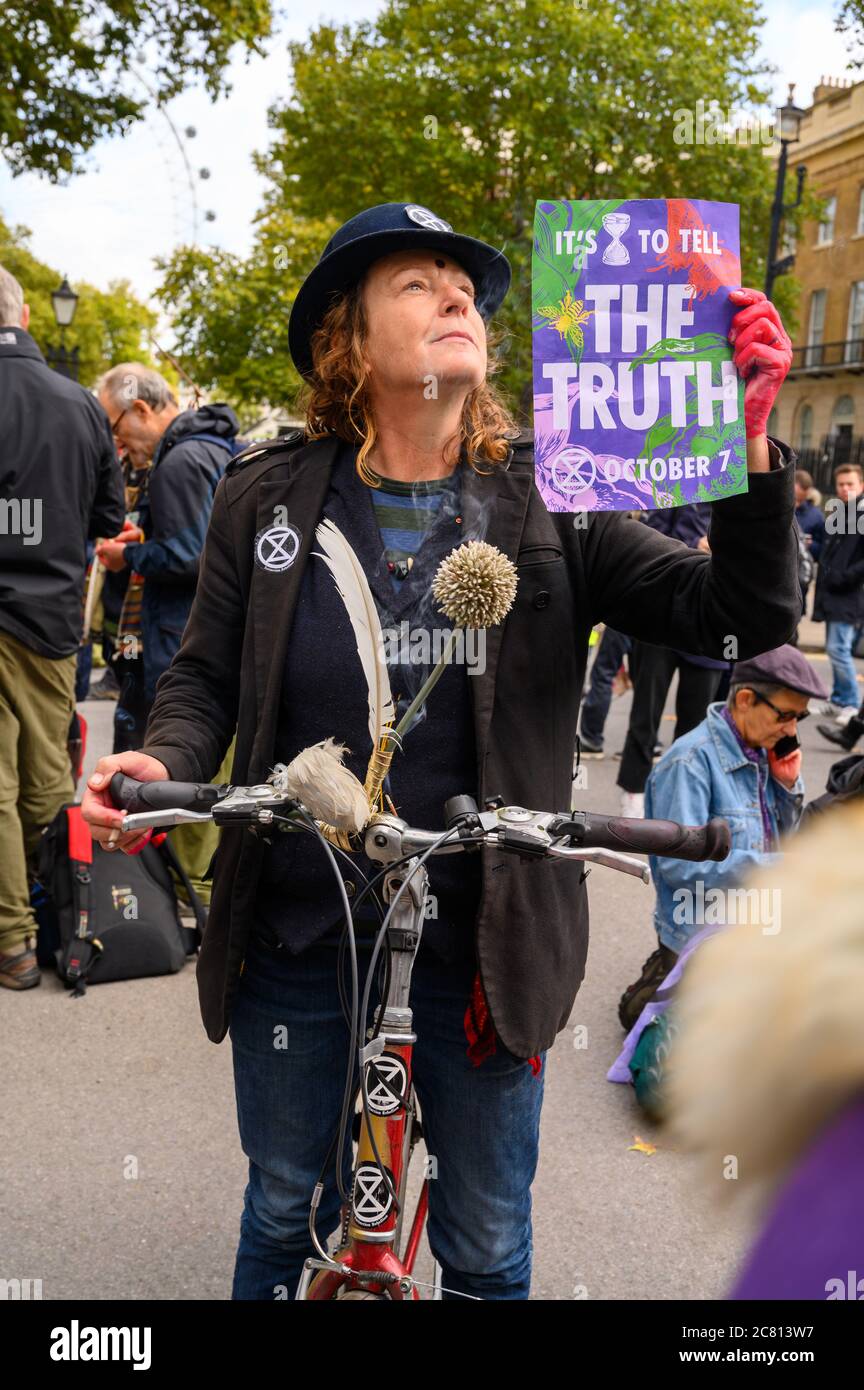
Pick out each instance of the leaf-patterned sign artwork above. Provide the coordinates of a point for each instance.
(637, 403)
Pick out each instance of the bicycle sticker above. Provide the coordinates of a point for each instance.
(386, 1083)
(372, 1200)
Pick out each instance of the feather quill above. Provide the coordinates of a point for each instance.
(354, 590)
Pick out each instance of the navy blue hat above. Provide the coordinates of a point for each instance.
(374, 233)
(782, 666)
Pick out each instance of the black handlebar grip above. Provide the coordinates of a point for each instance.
(132, 796)
(662, 837)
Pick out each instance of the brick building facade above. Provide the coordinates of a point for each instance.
(820, 408)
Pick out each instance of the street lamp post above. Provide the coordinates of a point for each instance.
(64, 302)
(790, 125)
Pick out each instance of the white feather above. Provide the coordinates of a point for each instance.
(354, 589)
(328, 789)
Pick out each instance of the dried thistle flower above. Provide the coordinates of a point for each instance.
(475, 585)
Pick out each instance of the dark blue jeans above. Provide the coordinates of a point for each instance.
(595, 707)
(481, 1124)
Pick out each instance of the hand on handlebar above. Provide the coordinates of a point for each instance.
(99, 811)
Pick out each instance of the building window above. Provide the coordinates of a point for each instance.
(805, 427)
(816, 330)
(861, 212)
(826, 225)
(842, 422)
(789, 243)
(855, 324)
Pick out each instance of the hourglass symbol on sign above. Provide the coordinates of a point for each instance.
(616, 224)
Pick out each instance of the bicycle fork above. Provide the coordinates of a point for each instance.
(368, 1259)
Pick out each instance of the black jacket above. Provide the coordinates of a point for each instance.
(532, 924)
(840, 580)
(184, 476)
(60, 486)
(812, 523)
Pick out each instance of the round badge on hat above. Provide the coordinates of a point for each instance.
(424, 218)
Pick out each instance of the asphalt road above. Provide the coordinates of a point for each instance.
(123, 1174)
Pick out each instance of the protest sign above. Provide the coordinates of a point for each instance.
(637, 403)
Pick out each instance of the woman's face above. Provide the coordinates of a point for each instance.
(423, 326)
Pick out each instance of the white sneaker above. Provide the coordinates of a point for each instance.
(827, 707)
(633, 805)
(845, 714)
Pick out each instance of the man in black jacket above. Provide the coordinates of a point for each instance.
(839, 600)
(652, 669)
(189, 451)
(60, 485)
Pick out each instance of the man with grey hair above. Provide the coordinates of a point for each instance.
(189, 450)
(732, 765)
(60, 485)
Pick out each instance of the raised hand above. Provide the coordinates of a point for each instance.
(762, 354)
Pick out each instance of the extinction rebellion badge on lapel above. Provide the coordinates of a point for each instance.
(277, 547)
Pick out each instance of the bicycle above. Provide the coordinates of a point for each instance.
(364, 1262)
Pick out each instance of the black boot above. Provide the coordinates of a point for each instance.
(844, 735)
(636, 996)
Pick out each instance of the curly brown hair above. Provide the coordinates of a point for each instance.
(335, 400)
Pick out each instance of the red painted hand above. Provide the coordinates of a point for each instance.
(786, 770)
(762, 355)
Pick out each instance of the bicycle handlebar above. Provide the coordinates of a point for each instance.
(659, 837)
(607, 840)
(136, 797)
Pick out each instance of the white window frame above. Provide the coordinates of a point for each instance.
(825, 231)
(854, 347)
(816, 337)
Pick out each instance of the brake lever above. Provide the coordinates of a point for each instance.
(257, 805)
(607, 858)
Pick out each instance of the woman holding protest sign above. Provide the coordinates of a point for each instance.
(390, 332)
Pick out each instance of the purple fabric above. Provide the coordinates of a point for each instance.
(812, 1245)
(759, 756)
(620, 1068)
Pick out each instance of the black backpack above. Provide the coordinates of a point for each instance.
(845, 783)
(108, 916)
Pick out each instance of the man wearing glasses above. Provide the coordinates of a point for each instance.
(730, 765)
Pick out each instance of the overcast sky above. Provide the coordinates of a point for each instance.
(134, 201)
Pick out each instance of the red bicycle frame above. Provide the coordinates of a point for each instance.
(371, 1228)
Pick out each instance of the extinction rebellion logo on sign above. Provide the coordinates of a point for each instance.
(637, 403)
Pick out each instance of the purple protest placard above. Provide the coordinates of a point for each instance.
(637, 403)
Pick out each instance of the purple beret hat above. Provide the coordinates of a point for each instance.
(782, 666)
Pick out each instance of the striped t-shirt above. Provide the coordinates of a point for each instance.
(405, 512)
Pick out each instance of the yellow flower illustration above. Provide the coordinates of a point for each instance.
(567, 318)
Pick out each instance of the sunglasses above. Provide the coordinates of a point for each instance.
(783, 715)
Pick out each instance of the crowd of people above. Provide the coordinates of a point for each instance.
(222, 658)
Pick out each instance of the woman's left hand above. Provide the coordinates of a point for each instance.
(762, 354)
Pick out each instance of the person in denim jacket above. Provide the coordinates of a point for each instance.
(726, 767)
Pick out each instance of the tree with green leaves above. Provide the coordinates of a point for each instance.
(478, 112)
(110, 325)
(65, 67)
(850, 20)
